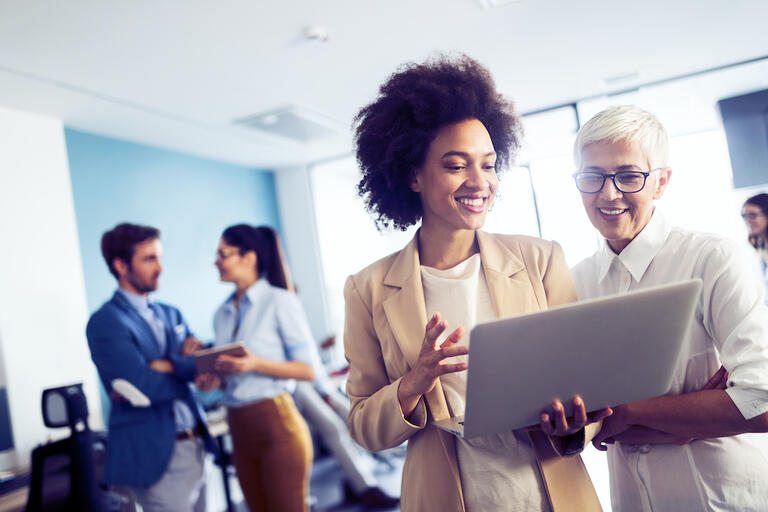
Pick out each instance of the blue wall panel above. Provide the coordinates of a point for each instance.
(190, 199)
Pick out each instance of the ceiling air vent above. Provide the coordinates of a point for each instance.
(293, 122)
(487, 4)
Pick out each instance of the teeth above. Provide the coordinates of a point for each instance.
(611, 212)
(471, 202)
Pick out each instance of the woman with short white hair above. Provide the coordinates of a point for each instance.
(692, 449)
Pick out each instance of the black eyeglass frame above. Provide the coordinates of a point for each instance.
(613, 179)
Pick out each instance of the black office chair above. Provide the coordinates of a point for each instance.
(63, 476)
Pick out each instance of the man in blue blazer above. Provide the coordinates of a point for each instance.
(157, 430)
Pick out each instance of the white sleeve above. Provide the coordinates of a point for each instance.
(737, 320)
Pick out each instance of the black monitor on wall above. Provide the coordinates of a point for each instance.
(745, 119)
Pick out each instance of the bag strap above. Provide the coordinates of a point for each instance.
(566, 480)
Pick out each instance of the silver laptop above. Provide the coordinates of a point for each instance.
(611, 350)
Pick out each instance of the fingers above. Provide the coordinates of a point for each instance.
(545, 423)
(191, 344)
(453, 338)
(435, 327)
(224, 363)
(717, 381)
(579, 413)
(207, 381)
(558, 414)
(452, 368)
(431, 362)
(556, 423)
(599, 415)
(723, 374)
(445, 353)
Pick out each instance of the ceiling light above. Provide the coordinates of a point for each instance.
(293, 122)
(487, 4)
(316, 33)
(622, 79)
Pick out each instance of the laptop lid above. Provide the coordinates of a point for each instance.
(610, 350)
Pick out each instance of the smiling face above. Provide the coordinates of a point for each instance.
(233, 266)
(756, 219)
(457, 182)
(619, 216)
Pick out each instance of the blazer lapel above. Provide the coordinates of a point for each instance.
(502, 274)
(407, 316)
(145, 338)
(405, 310)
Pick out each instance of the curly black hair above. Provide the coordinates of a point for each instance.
(393, 133)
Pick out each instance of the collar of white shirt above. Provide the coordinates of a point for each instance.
(637, 256)
(139, 302)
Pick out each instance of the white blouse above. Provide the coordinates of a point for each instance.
(498, 472)
(730, 328)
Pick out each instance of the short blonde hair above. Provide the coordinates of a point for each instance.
(625, 123)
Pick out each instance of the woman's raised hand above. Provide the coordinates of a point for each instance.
(430, 364)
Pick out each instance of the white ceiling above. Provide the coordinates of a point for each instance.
(176, 74)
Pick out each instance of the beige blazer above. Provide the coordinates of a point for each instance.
(384, 328)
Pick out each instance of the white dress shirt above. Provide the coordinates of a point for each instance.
(498, 472)
(730, 328)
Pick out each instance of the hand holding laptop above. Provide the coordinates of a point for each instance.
(557, 424)
(431, 364)
(632, 340)
(616, 429)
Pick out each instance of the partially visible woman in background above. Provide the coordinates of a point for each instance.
(272, 445)
(755, 215)
(319, 401)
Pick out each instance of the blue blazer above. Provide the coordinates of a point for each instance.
(140, 439)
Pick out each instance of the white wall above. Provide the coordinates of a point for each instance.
(297, 218)
(43, 308)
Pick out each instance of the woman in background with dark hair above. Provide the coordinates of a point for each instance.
(272, 445)
(755, 215)
(321, 404)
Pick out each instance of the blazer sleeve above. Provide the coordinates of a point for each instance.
(183, 366)
(375, 420)
(116, 356)
(557, 280)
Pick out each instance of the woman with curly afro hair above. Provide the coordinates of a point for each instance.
(430, 148)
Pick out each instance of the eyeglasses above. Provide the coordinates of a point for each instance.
(221, 256)
(751, 215)
(627, 182)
